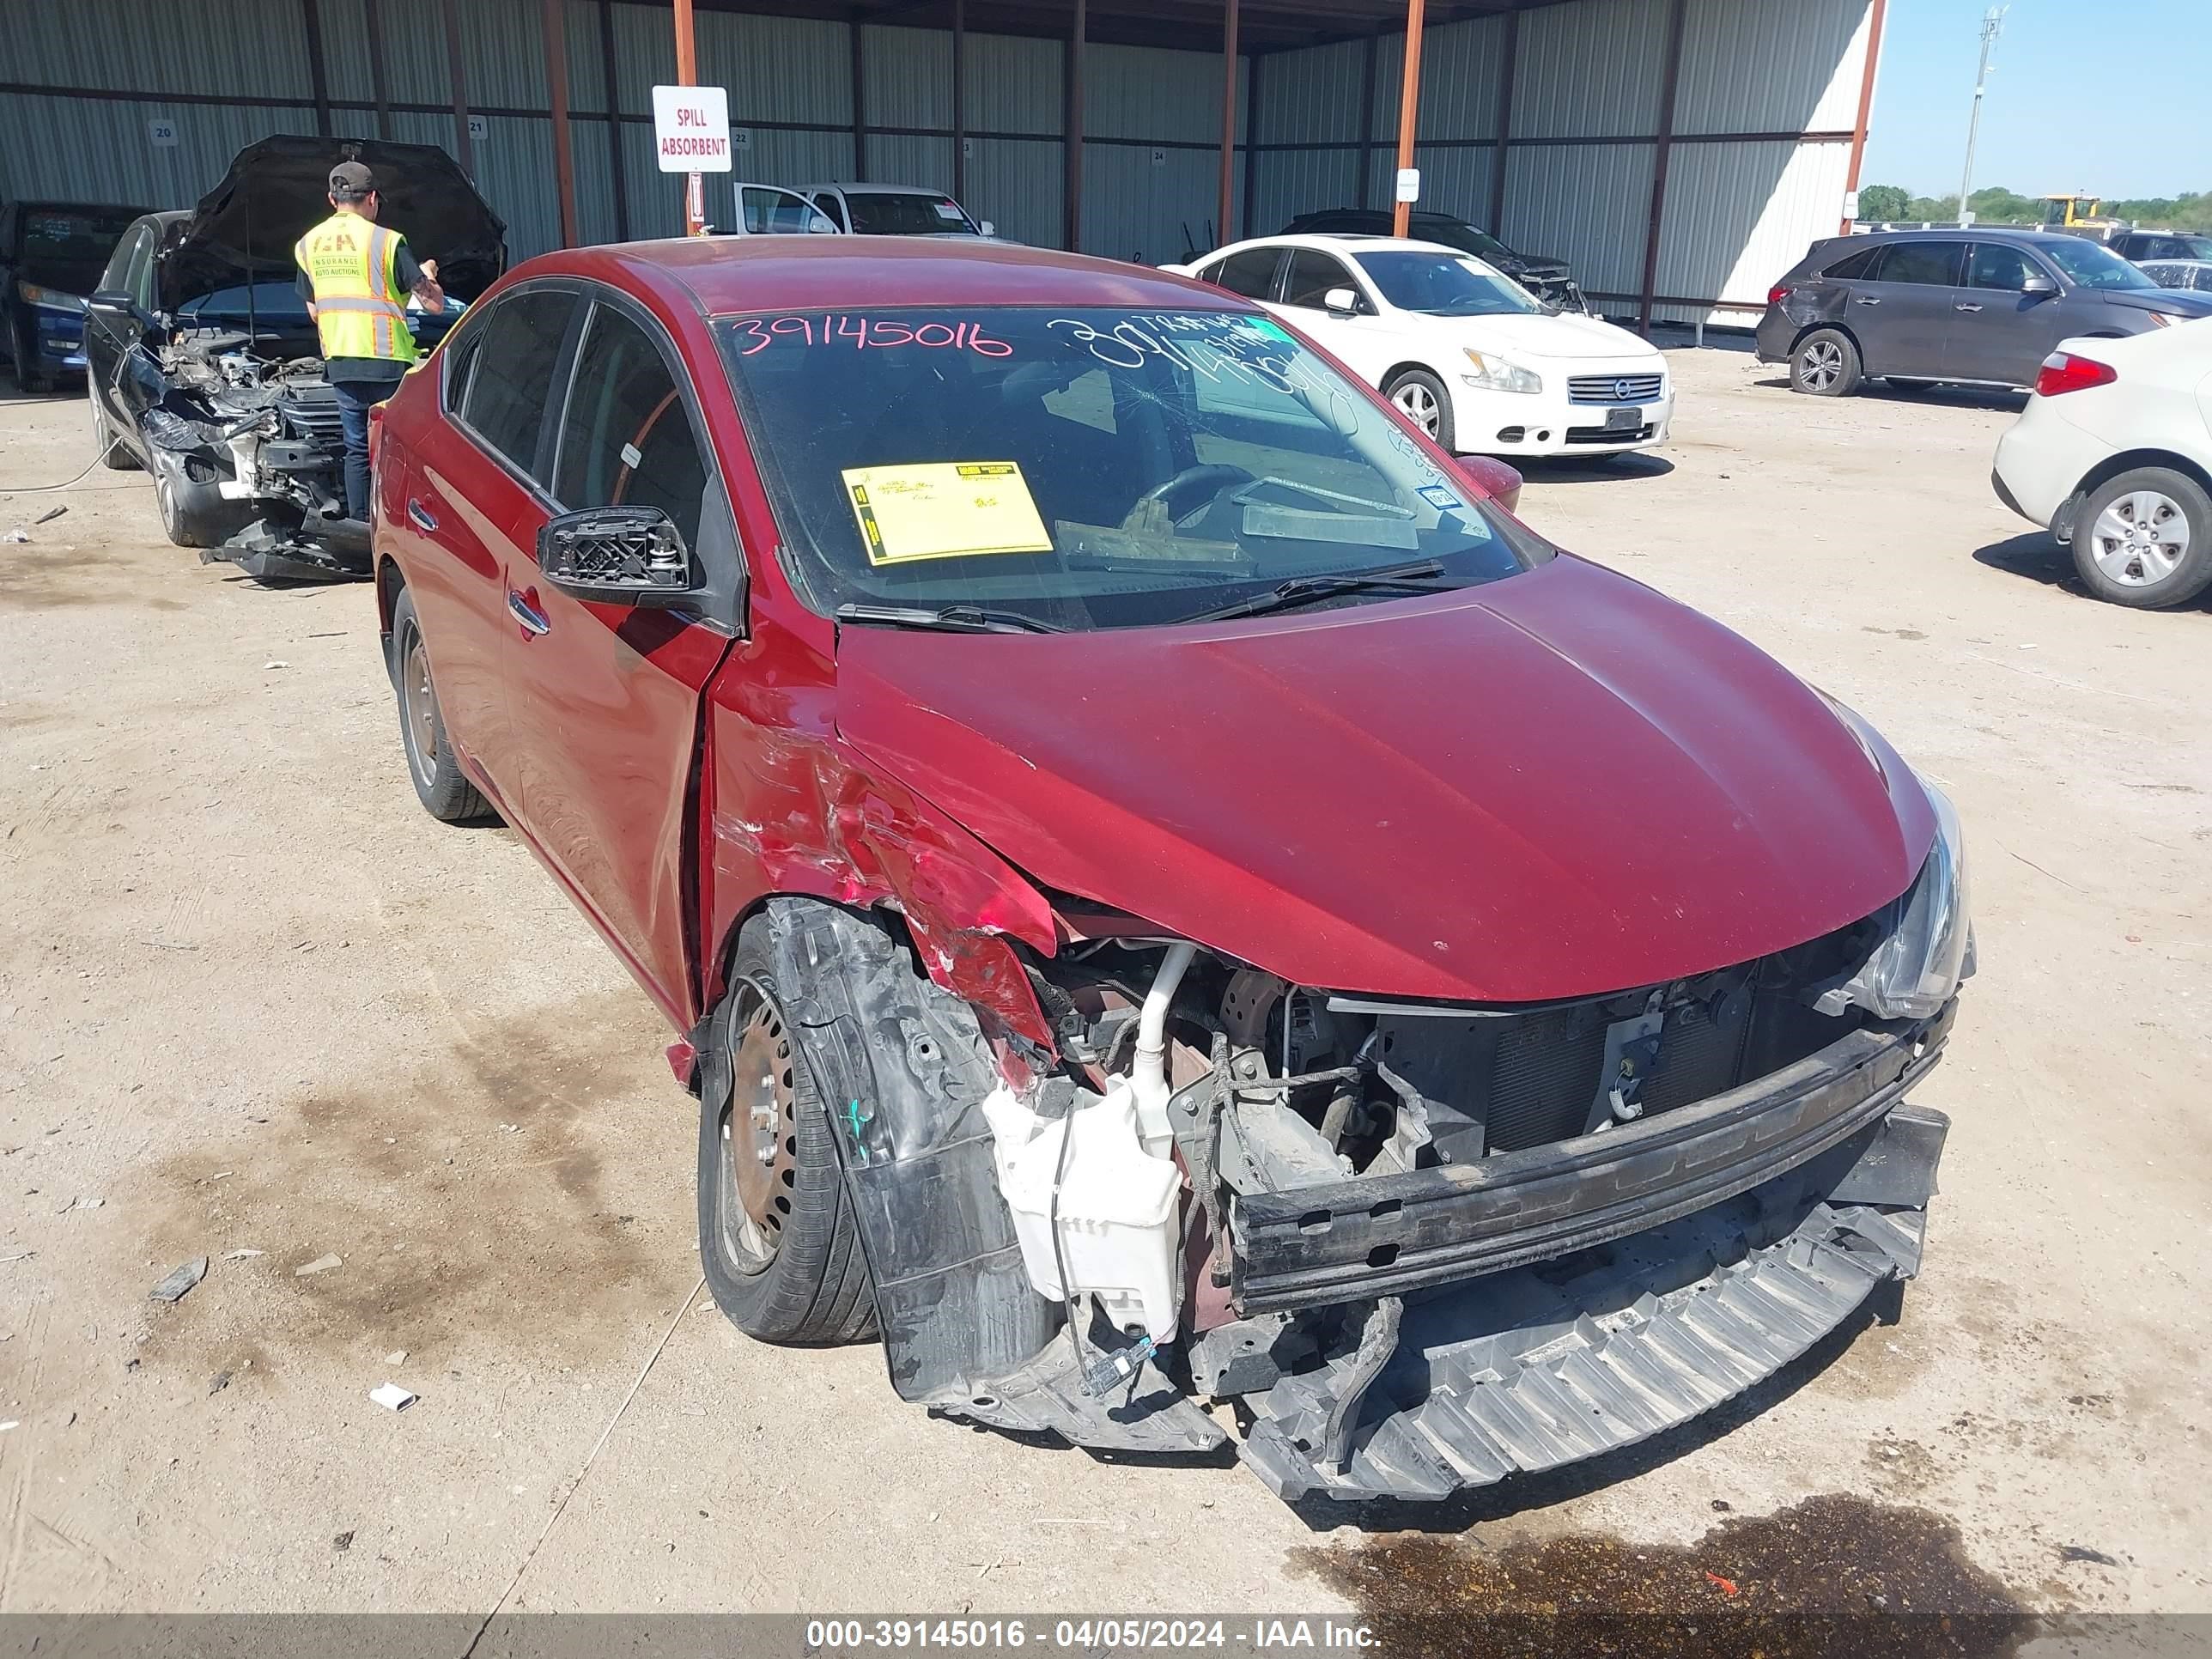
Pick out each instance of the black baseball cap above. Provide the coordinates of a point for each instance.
(352, 182)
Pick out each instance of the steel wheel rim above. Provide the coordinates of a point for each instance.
(418, 704)
(759, 1161)
(1418, 401)
(2141, 537)
(1823, 364)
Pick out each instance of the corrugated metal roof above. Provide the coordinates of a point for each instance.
(97, 149)
(1460, 68)
(1014, 85)
(1020, 187)
(1289, 182)
(1149, 206)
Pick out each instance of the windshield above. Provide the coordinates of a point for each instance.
(1087, 469)
(2089, 265)
(67, 248)
(1457, 233)
(898, 213)
(1439, 285)
(274, 303)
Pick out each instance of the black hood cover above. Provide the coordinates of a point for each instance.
(276, 190)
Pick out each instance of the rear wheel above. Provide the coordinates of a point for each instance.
(778, 1242)
(1421, 398)
(2144, 539)
(105, 444)
(1825, 364)
(440, 784)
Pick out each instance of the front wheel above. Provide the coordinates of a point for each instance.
(435, 771)
(778, 1241)
(1421, 398)
(23, 363)
(2144, 539)
(1825, 364)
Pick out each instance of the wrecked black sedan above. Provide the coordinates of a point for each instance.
(203, 367)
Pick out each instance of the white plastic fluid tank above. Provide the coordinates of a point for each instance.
(1118, 1221)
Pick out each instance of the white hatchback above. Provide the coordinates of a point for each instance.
(1481, 364)
(2114, 453)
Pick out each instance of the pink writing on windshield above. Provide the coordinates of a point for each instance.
(862, 333)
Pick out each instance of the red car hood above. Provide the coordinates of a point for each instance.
(1554, 785)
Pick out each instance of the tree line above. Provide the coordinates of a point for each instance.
(1996, 205)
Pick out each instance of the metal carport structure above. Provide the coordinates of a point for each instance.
(1680, 153)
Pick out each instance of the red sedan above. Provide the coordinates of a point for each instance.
(1167, 891)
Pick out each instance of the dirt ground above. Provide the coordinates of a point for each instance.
(253, 999)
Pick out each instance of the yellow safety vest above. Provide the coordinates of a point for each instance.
(359, 310)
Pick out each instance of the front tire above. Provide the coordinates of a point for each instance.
(2144, 539)
(435, 771)
(1422, 399)
(21, 361)
(192, 514)
(778, 1242)
(1825, 364)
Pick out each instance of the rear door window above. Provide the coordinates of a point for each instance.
(510, 385)
(1929, 264)
(1251, 273)
(626, 437)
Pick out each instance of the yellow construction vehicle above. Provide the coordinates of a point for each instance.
(2078, 211)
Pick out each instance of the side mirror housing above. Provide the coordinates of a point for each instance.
(113, 303)
(1341, 302)
(987, 227)
(819, 225)
(2037, 282)
(618, 556)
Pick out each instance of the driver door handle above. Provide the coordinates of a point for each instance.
(1967, 308)
(1863, 299)
(533, 621)
(421, 517)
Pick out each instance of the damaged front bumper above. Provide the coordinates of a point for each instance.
(1412, 1335)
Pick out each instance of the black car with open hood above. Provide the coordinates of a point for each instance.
(204, 366)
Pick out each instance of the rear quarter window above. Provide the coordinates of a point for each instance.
(1855, 266)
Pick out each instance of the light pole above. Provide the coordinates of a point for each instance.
(1992, 22)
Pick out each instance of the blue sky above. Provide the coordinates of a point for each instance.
(2114, 97)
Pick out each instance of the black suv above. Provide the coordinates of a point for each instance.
(1979, 307)
(1544, 277)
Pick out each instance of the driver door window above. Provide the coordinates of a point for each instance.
(771, 211)
(1997, 266)
(626, 438)
(1312, 276)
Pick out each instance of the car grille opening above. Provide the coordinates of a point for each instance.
(1616, 388)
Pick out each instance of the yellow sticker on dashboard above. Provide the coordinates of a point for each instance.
(944, 510)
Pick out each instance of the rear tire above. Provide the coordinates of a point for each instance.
(1825, 364)
(1422, 399)
(113, 454)
(440, 784)
(2144, 539)
(778, 1241)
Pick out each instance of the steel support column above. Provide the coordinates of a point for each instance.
(318, 74)
(1228, 197)
(556, 89)
(1409, 111)
(1866, 106)
(1363, 186)
(372, 20)
(960, 101)
(687, 74)
(1251, 146)
(464, 149)
(1670, 77)
(1509, 64)
(614, 119)
(1073, 124)
(852, 30)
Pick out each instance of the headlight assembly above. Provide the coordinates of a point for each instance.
(1929, 947)
(49, 299)
(1493, 373)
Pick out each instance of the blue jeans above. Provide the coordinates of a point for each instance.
(355, 399)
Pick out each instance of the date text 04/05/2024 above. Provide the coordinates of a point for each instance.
(1262, 1636)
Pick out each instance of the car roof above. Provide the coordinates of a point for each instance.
(1341, 242)
(882, 190)
(727, 275)
(1984, 233)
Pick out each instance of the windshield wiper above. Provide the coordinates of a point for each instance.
(949, 618)
(1285, 596)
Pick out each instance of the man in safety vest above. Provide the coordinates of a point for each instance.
(355, 277)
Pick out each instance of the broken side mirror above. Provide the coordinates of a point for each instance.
(619, 555)
(1341, 302)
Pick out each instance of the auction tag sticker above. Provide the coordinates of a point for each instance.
(945, 510)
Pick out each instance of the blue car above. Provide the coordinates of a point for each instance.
(52, 254)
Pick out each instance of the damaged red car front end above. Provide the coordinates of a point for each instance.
(1175, 895)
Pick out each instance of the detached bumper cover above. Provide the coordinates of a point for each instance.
(1542, 1367)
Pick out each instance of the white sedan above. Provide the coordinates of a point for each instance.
(1481, 364)
(2114, 454)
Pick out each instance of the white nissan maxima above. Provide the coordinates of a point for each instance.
(1484, 366)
